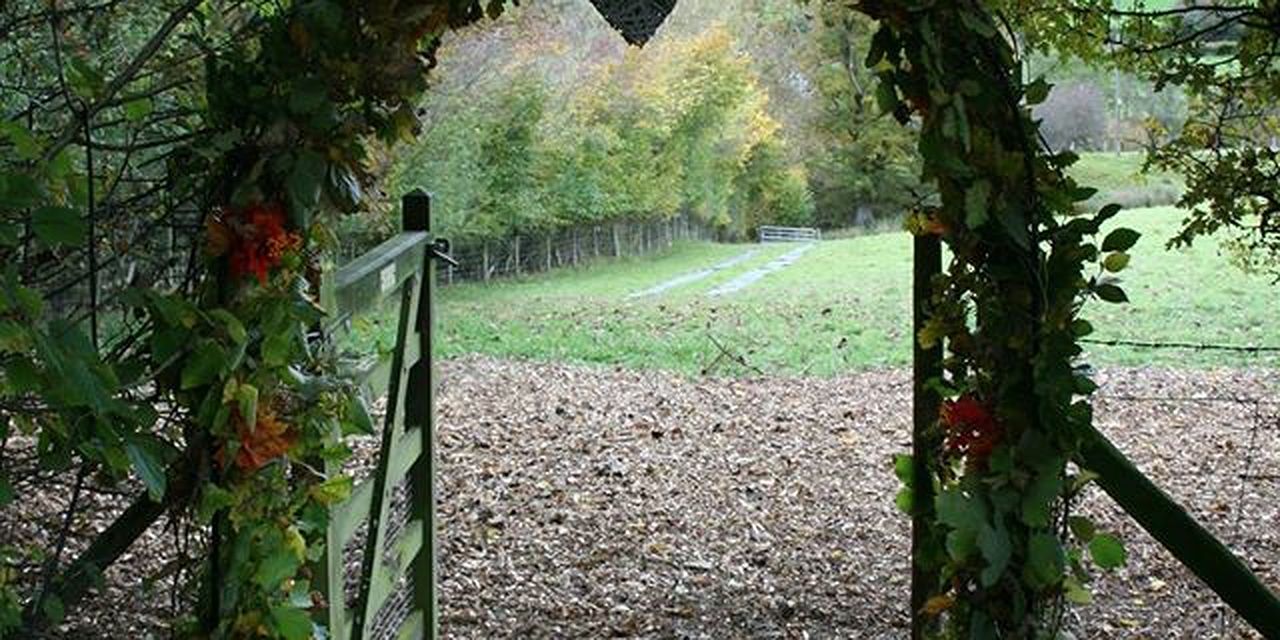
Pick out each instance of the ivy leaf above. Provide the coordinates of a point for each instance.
(905, 500)
(1037, 91)
(235, 328)
(23, 142)
(291, 623)
(959, 511)
(1121, 239)
(18, 191)
(149, 465)
(1116, 262)
(1037, 499)
(1075, 592)
(58, 225)
(53, 609)
(333, 490)
(904, 468)
(976, 200)
(357, 418)
(966, 516)
(1044, 560)
(1107, 551)
(247, 403)
(1016, 226)
(212, 500)
(1111, 293)
(1082, 528)
(1106, 213)
(303, 186)
(995, 547)
(205, 365)
(275, 568)
(275, 349)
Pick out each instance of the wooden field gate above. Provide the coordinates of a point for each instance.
(390, 515)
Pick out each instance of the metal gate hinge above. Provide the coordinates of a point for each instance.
(440, 250)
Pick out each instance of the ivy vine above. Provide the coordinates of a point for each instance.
(1003, 549)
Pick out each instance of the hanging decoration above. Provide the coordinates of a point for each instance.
(636, 20)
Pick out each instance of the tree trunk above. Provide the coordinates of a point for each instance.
(548, 245)
(517, 255)
(484, 265)
(617, 243)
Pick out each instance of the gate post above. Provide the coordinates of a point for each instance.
(926, 365)
(419, 412)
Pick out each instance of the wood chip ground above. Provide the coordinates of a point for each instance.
(589, 502)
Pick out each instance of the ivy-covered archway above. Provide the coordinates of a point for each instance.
(1003, 423)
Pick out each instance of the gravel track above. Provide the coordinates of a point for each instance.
(694, 276)
(751, 277)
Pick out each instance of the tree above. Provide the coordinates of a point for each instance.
(1224, 57)
(1073, 117)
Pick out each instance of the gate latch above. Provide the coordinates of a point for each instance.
(439, 249)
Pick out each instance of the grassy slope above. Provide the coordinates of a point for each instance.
(1118, 178)
(844, 305)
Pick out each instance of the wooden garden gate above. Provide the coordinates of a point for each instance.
(390, 517)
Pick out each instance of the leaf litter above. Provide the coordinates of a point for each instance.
(587, 502)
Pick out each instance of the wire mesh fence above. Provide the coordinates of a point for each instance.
(1209, 437)
(485, 260)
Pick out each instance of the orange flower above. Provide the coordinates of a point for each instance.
(970, 428)
(260, 240)
(269, 439)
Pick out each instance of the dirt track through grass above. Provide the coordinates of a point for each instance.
(751, 277)
(695, 276)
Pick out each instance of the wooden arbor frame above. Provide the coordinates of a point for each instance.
(405, 264)
(398, 560)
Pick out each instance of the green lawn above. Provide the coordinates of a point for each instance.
(844, 305)
(1118, 178)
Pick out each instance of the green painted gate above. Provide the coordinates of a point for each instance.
(390, 518)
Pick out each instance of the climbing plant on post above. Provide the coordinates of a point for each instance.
(999, 551)
(298, 112)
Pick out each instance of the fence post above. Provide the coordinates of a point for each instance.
(419, 412)
(926, 365)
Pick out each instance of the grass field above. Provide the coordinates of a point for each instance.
(845, 305)
(1118, 178)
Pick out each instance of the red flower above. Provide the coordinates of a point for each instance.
(259, 240)
(970, 428)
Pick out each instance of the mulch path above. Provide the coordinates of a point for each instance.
(589, 502)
